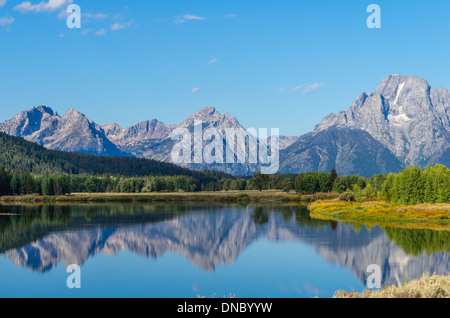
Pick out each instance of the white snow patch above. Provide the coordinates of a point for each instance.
(399, 90)
(399, 119)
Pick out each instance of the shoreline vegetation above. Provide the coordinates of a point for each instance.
(428, 286)
(247, 196)
(434, 216)
(324, 206)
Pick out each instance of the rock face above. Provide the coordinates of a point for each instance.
(349, 151)
(404, 122)
(405, 114)
(71, 132)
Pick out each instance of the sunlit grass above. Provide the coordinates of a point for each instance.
(429, 286)
(427, 216)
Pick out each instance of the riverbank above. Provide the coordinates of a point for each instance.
(221, 197)
(429, 286)
(423, 216)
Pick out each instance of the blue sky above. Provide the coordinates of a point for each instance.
(272, 64)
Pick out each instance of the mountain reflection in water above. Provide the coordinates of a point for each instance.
(40, 237)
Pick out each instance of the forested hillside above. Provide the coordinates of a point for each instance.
(21, 155)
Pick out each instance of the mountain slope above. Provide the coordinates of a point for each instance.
(349, 151)
(17, 153)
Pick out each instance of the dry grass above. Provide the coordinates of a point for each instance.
(223, 196)
(429, 286)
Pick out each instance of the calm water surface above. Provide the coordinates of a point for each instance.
(168, 250)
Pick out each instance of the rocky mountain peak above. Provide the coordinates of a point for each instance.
(389, 84)
(406, 114)
(395, 87)
(206, 114)
(72, 113)
(212, 118)
(71, 132)
(112, 129)
(207, 111)
(27, 122)
(45, 110)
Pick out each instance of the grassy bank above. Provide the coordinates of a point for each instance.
(223, 197)
(423, 216)
(429, 286)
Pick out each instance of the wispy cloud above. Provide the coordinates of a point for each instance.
(63, 14)
(44, 6)
(297, 88)
(187, 17)
(4, 21)
(214, 60)
(100, 32)
(2, 3)
(313, 88)
(231, 16)
(307, 88)
(96, 16)
(195, 90)
(120, 26)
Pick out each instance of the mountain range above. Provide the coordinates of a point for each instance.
(404, 122)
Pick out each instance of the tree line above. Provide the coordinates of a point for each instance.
(14, 182)
(413, 185)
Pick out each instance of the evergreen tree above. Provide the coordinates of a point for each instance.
(333, 177)
(15, 184)
(29, 184)
(4, 182)
(47, 185)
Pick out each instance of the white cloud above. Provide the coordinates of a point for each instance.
(44, 6)
(63, 14)
(100, 32)
(120, 26)
(297, 88)
(231, 16)
(2, 3)
(214, 60)
(96, 16)
(4, 21)
(192, 17)
(313, 87)
(188, 17)
(307, 88)
(195, 90)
